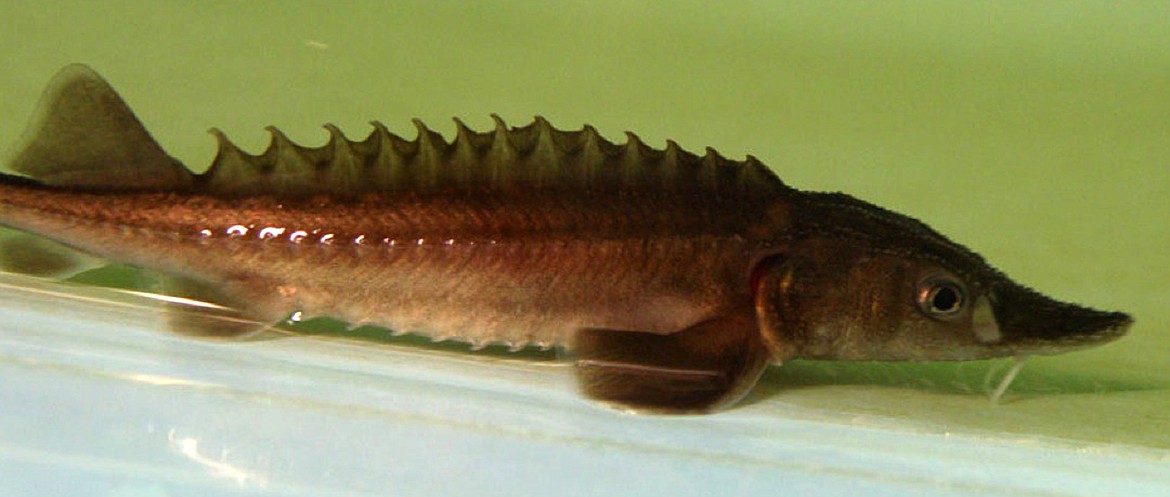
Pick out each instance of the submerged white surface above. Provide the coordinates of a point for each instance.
(97, 400)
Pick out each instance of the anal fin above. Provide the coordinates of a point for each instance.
(702, 368)
(216, 311)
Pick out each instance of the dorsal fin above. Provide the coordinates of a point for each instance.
(83, 135)
(533, 157)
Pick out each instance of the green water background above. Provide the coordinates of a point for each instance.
(1036, 133)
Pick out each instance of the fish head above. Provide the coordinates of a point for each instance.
(862, 283)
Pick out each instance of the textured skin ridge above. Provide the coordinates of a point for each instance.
(517, 159)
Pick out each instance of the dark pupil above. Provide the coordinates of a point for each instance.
(945, 299)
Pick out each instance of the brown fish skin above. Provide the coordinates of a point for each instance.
(516, 270)
(674, 278)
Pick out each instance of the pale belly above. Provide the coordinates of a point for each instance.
(510, 292)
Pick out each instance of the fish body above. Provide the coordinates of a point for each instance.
(521, 270)
(672, 278)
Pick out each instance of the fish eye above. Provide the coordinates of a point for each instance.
(941, 297)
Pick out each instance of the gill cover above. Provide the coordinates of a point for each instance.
(829, 300)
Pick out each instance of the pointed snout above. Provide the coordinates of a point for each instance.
(1033, 323)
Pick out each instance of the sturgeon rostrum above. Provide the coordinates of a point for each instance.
(672, 279)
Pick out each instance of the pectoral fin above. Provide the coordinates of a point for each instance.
(702, 368)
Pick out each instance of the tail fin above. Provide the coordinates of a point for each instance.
(83, 135)
(30, 254)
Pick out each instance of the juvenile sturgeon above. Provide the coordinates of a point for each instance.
(673, 279)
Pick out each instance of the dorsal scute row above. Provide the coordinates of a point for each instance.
(517, 159)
